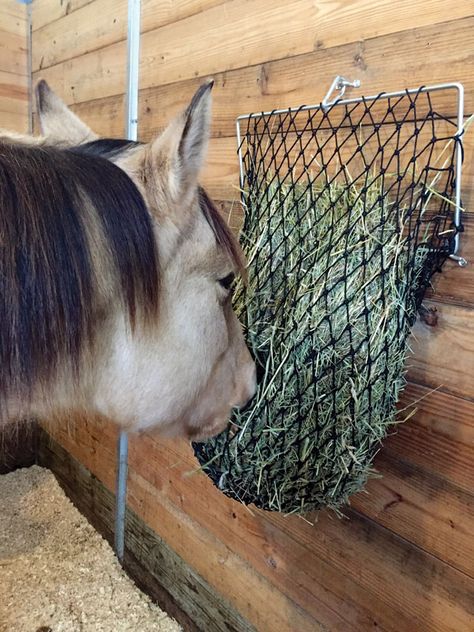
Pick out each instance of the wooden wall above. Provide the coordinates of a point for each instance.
(403, 559)
(13, 66)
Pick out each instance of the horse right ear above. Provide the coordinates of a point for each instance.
(178, 154)
(56, 120)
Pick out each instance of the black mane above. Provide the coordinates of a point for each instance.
(108, 148)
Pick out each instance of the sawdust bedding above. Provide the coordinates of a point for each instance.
(57, 574)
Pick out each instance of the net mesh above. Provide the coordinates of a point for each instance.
(348, 215)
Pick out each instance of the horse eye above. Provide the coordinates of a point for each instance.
(228, 281)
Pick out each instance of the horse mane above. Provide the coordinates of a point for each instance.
(49, 290)
(112, 148)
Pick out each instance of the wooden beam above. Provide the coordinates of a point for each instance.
(13, 57)
(165, 61)
(316, 575)
(47, 11)
(442, 355)
(94, 25)
(439, 438)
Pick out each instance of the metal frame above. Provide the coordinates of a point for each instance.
(340, 83)
(131, 131)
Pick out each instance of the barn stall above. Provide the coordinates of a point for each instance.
(402, 556)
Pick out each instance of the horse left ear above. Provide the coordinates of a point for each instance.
(56, 120)
(180, 151)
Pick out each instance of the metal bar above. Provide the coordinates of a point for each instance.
(239, 146)
(121, 494)
(131, 132)
(457, 193)
(398, 93)
(133, 63)
(29, 62)
(385, 95)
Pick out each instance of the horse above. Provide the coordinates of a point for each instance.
(116, 278)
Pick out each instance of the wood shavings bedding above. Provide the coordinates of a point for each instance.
(57, 574)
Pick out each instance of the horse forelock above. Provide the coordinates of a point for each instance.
(222, 232)
(51, 304)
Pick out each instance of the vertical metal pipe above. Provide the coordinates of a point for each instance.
(29, 67)
(458, 175)
(121, 494)
(133, 63)
(131, 131)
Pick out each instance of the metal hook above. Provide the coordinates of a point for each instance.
(460, 260)
(339, 83)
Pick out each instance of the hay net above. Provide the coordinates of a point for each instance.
(348, 214)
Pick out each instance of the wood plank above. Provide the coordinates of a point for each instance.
(102, 76)
(234, 37)
(443, 355)
(13, 17)
(156, 14)
(283, 556)
(150, 501)
(13, 54)
(149, 558)
(422, 508)
(301, 79)
(13, 93)
(210, 557)
(439, 439)
(101, 23)
(47, 11)
(306, 78)
(94, 75)
(93, 26)
(456, 285)
(426, 594)
(182, 497)
(14, 121)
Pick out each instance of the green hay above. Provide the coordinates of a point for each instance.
(329, 332)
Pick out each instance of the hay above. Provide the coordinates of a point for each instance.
(329, 332)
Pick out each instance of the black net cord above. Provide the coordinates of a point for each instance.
(348, 215)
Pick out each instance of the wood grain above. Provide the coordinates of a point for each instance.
(13, 17)
(13, 94)
(422, 508)
(90, 27)
(443, 355)
(14, 121)
(439, 439)
(314, 565)
(303, 79)
(13, 57)
(306, 78)
(13, 67)
(47, 11)
(160, 67)
(235, 37)
(100, 23)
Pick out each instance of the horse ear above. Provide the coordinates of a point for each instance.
(56, 120)
(181, 149)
